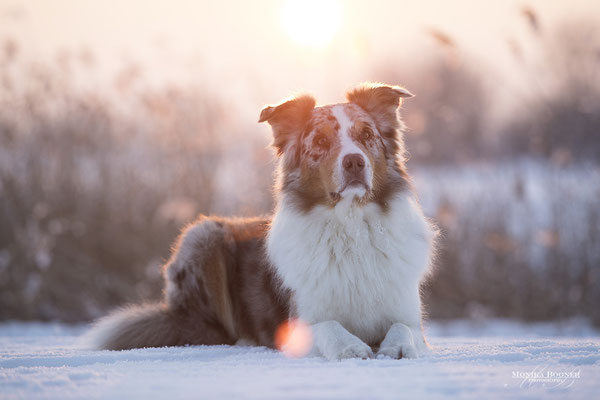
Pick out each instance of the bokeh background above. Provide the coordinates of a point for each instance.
(120, 121)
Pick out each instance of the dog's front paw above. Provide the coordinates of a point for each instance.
(355, 350)
(406, 350)
(334, 342)
(350, 347)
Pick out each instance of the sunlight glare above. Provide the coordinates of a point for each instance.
(294, 338)
(312, 22)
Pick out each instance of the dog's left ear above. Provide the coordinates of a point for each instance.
(381, 102)
(288, 119)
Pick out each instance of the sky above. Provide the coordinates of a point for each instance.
(244, 47)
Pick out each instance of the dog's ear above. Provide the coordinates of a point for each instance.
(288, 119)
(381, 102)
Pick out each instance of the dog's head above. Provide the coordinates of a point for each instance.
(347, 151)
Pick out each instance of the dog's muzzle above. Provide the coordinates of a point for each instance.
(354, 171)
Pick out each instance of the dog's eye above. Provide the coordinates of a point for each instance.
(321, 141)
(366, 134)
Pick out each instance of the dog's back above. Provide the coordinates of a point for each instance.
(219, 289)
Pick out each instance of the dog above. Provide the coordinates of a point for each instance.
(346, 250)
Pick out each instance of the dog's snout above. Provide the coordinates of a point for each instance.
(353, 162)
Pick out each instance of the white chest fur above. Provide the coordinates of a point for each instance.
(354, 264)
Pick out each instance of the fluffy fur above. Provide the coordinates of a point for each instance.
(367, 275)
(345, 251)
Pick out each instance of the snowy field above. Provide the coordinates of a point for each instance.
(493, 359)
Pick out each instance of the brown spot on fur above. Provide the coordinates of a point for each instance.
(396, 181)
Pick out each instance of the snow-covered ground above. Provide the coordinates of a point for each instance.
(490, 359)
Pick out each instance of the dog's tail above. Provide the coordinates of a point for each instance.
(149, 325)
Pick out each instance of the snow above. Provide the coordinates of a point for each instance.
(487, 359)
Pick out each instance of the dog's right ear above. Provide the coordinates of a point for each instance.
(288, 119)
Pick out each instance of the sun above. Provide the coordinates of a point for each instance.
(312, 22)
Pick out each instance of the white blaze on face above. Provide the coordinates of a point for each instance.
(348, 146)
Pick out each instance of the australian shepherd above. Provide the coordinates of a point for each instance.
(345, 251)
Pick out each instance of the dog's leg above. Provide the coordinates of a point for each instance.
(402, 341)
(334, 342)
(196, 279)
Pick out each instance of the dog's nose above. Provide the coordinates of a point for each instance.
(353, 162)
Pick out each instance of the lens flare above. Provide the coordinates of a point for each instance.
(294, 338)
